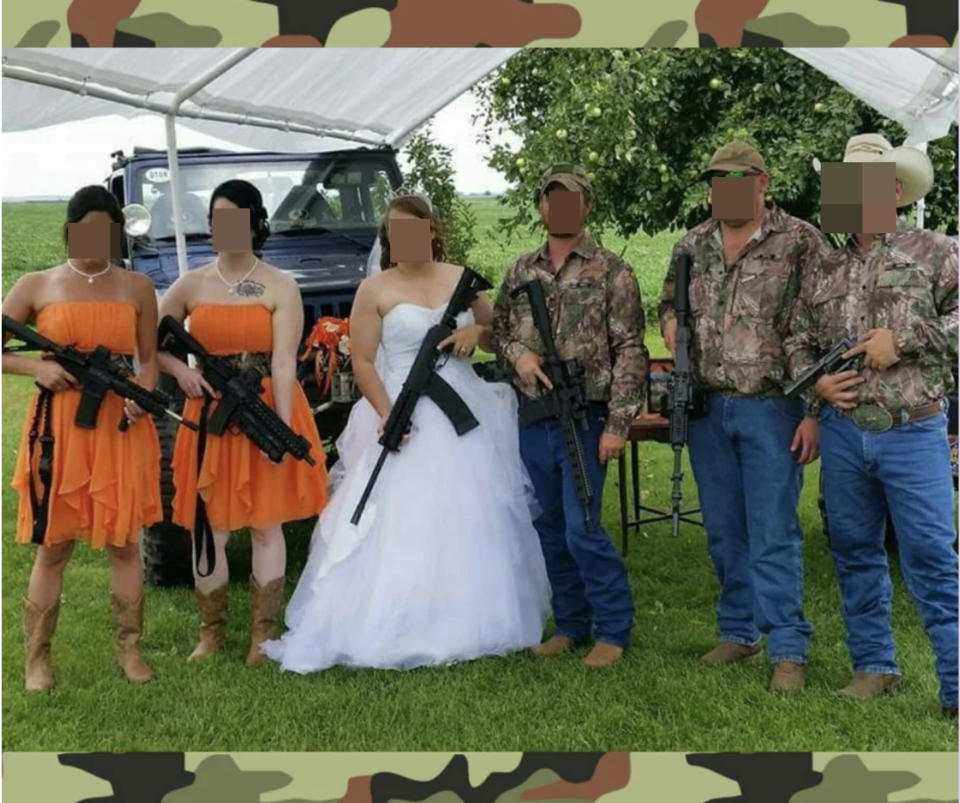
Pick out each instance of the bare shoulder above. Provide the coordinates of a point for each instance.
(139, 282)
(374, 285)
(451, 273)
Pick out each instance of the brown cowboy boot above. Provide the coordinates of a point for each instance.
(867, 685)
(264, 609)
(787, 677)
(213, 620)
(603, 655)
(128, 618)
(729, 652)
(38, 628)
(555, 645)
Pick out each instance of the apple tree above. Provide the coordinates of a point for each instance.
(646, 121)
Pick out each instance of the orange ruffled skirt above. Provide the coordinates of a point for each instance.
(240, 486)
(106, 483)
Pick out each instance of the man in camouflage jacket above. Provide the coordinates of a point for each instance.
(595, 308)
(748, 450)
(883, 428)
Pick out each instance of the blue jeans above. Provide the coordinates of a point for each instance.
(749, 484)
(591, 594)
(905, 470)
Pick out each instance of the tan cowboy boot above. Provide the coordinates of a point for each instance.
(213, 620)
(555, 645)
(128, 618)
(787, 677)
(867, 685)
(603, 655)
(729, 652)
(38, 628)
(264, 608)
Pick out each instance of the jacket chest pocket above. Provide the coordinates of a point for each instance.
(829, 306)
(759, 289)
(704, 292)
(903, 294)
(584, 310)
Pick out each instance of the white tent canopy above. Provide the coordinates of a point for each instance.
(268, 99)
(917, 87)
(290, 100)
(369, 96)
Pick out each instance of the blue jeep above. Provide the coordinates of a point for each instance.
(324, 212)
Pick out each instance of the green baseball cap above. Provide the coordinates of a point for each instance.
(737, 155)
(569, 176)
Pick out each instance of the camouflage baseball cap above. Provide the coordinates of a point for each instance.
(570, 176)
(737, 155)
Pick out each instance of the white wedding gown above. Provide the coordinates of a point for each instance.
(445, 564)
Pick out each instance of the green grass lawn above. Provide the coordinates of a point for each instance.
(658, 698)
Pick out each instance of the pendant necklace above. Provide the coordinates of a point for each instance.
(232, 286)
(88, 276)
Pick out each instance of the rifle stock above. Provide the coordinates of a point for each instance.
(97, 376)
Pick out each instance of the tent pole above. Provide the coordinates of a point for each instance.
(922, 203)
(173, 161)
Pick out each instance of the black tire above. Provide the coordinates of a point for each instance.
(165, 547)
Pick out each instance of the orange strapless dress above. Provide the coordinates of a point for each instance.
(240, 486)
(106, 483)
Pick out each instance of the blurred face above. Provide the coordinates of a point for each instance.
(92, 240)
(563, 212)
(859, 197)
(737, 198)
(411, 240)
(230, 227)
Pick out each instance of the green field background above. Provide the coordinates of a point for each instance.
(658, 698)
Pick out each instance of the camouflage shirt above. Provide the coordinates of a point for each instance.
(906, 282)
(739, 313)
(594, 303)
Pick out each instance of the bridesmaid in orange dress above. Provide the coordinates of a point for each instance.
(251, 313)
(105, 483)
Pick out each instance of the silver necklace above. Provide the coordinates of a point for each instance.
(232, 286)
(88, 276)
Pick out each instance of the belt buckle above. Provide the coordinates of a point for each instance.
(872, 418)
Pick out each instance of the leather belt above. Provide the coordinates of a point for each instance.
(874, 418)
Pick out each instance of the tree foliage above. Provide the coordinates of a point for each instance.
(430, 171)
(646, 121)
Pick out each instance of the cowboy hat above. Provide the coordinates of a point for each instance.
(914, 169)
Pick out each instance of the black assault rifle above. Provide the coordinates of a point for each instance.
(97, 374)
(831, 363)
(683, 401)
(239, 405)
(567, 401)
(423, 380)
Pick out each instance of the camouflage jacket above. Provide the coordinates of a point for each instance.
(739, 313)
(906, 282)
(594, 303)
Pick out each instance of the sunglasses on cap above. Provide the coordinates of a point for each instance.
(730, 174)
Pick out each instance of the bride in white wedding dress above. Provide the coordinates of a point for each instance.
(445, 564)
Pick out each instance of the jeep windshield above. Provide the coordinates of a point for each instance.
(320, 195)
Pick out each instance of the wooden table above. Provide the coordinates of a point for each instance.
(646, 427)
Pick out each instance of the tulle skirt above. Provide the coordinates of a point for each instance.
(445, 564)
